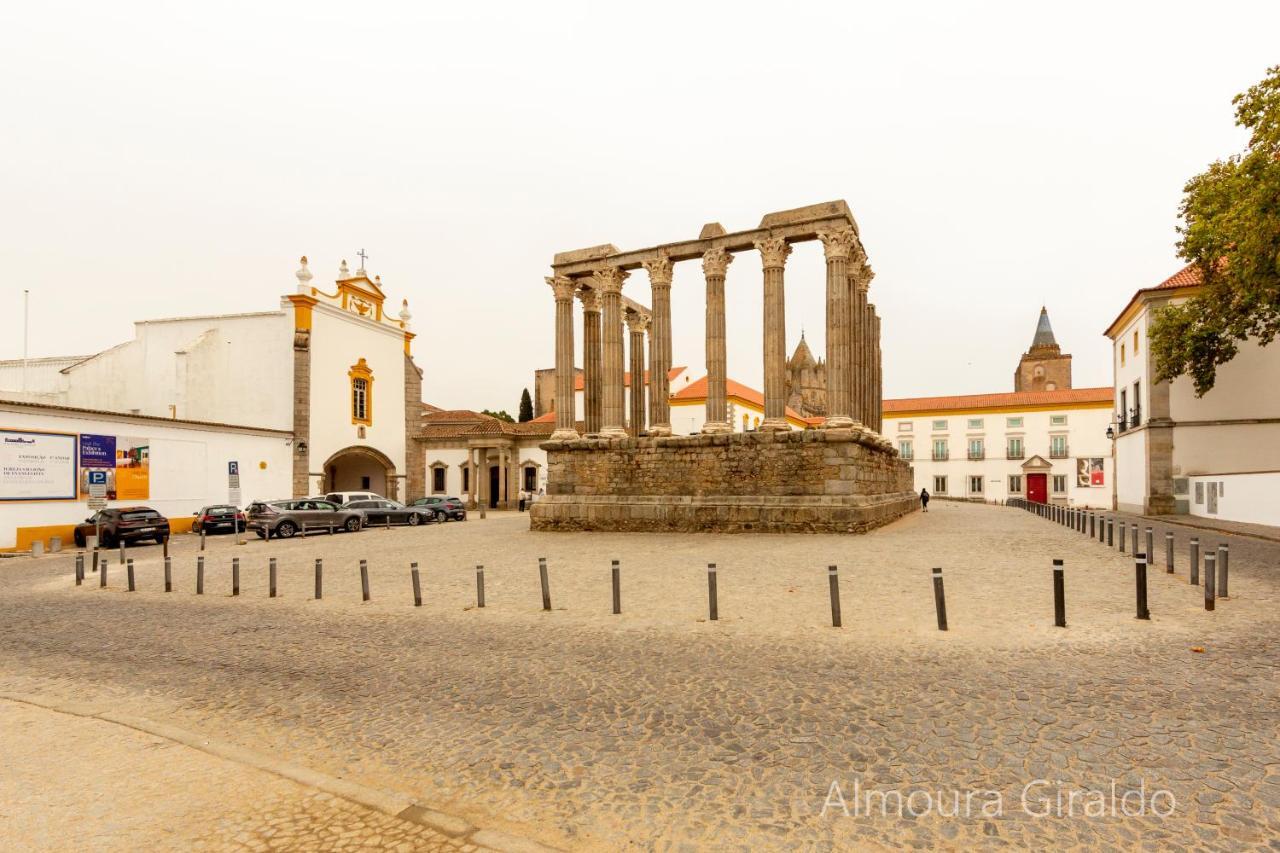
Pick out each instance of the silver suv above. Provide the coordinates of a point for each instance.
(283, 519)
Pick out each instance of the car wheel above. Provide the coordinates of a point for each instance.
(262, 534)
(441, 517)
(160, 540)
(79, 537)
(351, 525)
(414, 519)
(286, 529)
(105, 540)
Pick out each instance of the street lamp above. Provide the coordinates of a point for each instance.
(1111, 432)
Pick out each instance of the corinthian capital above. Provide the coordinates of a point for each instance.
(637, 322)
(716, 261)
(562, 286)
(773, 252)
(659, 269)
(590, 299)
(838, 245)
(609, 279)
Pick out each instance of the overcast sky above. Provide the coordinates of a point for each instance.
(176, 158)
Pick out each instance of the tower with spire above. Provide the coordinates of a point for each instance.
(1043, 367)
(806, 381)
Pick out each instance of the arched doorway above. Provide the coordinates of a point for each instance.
(356, 469)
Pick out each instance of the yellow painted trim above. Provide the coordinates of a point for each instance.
(1139, 302)
(1043, 407)
(361, 370)
(302, 306)
(408, 338)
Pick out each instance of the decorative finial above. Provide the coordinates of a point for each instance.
(363, 257)
(303, 275)
(377, 279)
(404, 311)
(343, 270)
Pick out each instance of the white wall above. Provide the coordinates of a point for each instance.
(1086, 437)
(455, 457)
(1131, 471)
(1249, 498)
(188, 466)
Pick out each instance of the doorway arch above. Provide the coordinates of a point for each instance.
(360, 468)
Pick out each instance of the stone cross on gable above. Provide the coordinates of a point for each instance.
(363, 257)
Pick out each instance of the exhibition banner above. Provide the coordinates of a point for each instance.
(1090, 471)
(126, 461)
(37, 466)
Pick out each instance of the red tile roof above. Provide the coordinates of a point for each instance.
(697, 390)
(579, 381)
(460, 423)
(1188, 276)
(1065, 397)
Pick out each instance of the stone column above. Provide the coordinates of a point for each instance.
(868, 311)
(659, 270)
(877, 401)
(859, 278)
(502, 477)
(592, 359)
(609, 283)
(715, 263)
(565, 416)
(471, 477)
(637, 325)
(482, 476)
(773, 256)
(838, 246)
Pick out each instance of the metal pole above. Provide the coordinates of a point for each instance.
(102, 574)
(364, 580)
(833, 581)
(479, 586)
(168, 574)
(1059, 596)
(1209, 585)
(1168, 551)
(319, 578)
(1195, 560)
(1122, 538)
(417, 585)
(122, 552)
(129, 571)
(202, 537)
(616, 572)
(1223, 554)
(1133, 537)
(546, 584)
(80, 568)
(271, 577)
(712, 598)
(1111, 532)
(939, 599)
(200, 575)
(1151, 546)
(1140, 581)
(235, 575)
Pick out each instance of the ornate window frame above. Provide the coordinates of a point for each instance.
(361, 378)
(439, 466)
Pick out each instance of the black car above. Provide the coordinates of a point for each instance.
(218, 517)
(381, 511)
(123, 524)
(446, 509)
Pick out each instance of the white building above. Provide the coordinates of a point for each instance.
(746, 408)
(1216, 456)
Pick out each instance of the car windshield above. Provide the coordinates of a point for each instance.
(220, 509)
(139, 515)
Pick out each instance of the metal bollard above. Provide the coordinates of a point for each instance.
(129, 572)
(102, 574)
(1093, 524)
(201, 538)
(235, 575)
(302, 530)
(364, 580)
(713, 600)
(1059, 596)
(79, 568)
(1168, 551)
(417, 585)
(95, 559)
(168, 574)
(616, 572)
(200, 575)
(271, 577)
(1209, 585)
(1140, 582)
(1111, 532)
(1223, 553)
(546, 583)
(479, 586)
(1122, 538)
(833, 581)
(1133, 537)
(1195, 561)
(939, 599)
(165, 543)
(330, 529)
(319, 578)
(122, 552)
(388, 521)
(1151, 547)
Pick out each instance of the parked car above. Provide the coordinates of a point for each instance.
(381, 510)
(452, 509)
(123, 524)
(344, 498)
(218, 517)
(285, 518)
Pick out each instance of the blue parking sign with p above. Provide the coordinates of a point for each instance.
(97, 478)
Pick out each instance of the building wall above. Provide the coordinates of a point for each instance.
(1131, 471)
(339, 339)
(1248, 498)
(188, 470)
(1086, 437)
(688, 418)
(454, 456)
(1042, 371)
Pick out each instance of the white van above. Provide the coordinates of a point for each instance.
(343, 498)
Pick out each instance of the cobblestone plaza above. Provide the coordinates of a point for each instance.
(581, 729)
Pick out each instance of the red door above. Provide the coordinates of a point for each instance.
(1037, 488)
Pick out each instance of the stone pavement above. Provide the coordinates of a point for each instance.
(661, 729)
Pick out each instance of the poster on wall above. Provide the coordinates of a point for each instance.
(1090, 471)
(37, 466)
(126, 461)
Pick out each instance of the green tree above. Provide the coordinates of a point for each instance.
(1231, 232)
(502, 415)
(526, 407)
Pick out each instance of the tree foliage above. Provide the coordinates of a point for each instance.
(1231, 232)
(501, 415)
(526, 407)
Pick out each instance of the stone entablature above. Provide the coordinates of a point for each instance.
(816, 481)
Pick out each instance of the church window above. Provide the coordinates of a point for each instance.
(939, 425)
(1013, 423)
(939, 485)
(361, 377)
(975, 423)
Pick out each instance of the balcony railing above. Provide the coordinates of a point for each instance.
(977, 454)
(1058, 453)
(1015, 454)
(940, 456)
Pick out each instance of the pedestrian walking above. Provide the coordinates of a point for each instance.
(924, 499)
(524, 498)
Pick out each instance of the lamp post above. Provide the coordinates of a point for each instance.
(1111, 434)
